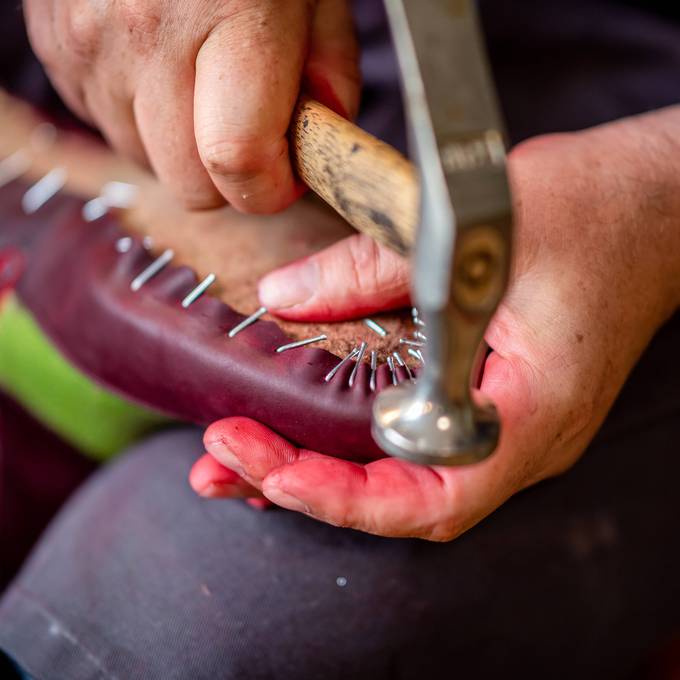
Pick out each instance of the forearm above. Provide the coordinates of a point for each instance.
(614, 191)
(642, 154)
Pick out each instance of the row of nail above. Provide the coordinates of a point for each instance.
(117, 195)
(121, 195)
(16, 165)
(357, 354)
(394, 360)
(416, 344)
(164, 259)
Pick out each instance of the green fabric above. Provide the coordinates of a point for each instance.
(33, 371)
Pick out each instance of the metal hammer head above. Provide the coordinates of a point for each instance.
(463, 244)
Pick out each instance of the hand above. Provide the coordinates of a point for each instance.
(316, 288)
(201, 91)
(596, 271)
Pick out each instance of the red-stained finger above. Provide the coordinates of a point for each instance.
(248, 74)
(210, 479)
(391, 497)
(259, 503)
(351, 278)
(387, 497)
(230, 439)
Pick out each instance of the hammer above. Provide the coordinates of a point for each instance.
(457, 228)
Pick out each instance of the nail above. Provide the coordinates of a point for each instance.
(289, 286)
(258, 503)
(208, 491)
(225, 456)
(283, 499)
(217, 490)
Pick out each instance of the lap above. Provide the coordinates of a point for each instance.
(138, 577)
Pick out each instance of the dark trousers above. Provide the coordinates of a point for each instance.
(577, 577)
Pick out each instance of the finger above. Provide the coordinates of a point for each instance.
(211, 480)
(332, 68)
(91, 89)
(167, 132)
(259, 503)
(387, 497)
(40, 19)
(390, 497)
(113, 116)
(247, 82)
(351, 278)
(395, 498)
(44, 35)
(72, 94)
(229, 440)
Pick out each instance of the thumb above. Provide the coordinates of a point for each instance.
(351, 278)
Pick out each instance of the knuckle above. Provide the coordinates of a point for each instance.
(200, 199)
(141, 20)
(190, 185)
(579, 406)
(240, 160)
(45, 50)
(560, 466)
(539, 144)
(376, 271)
(42, 39)
(82, 33)
(443, 533)
(363, 259)
(449, 521)
(227, 159)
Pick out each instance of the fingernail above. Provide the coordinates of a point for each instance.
(290, 286)
(221, 491)
(258, 503)
(208, 491)
(283, 499)
(225, 456)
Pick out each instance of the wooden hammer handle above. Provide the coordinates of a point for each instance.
(367, 181)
